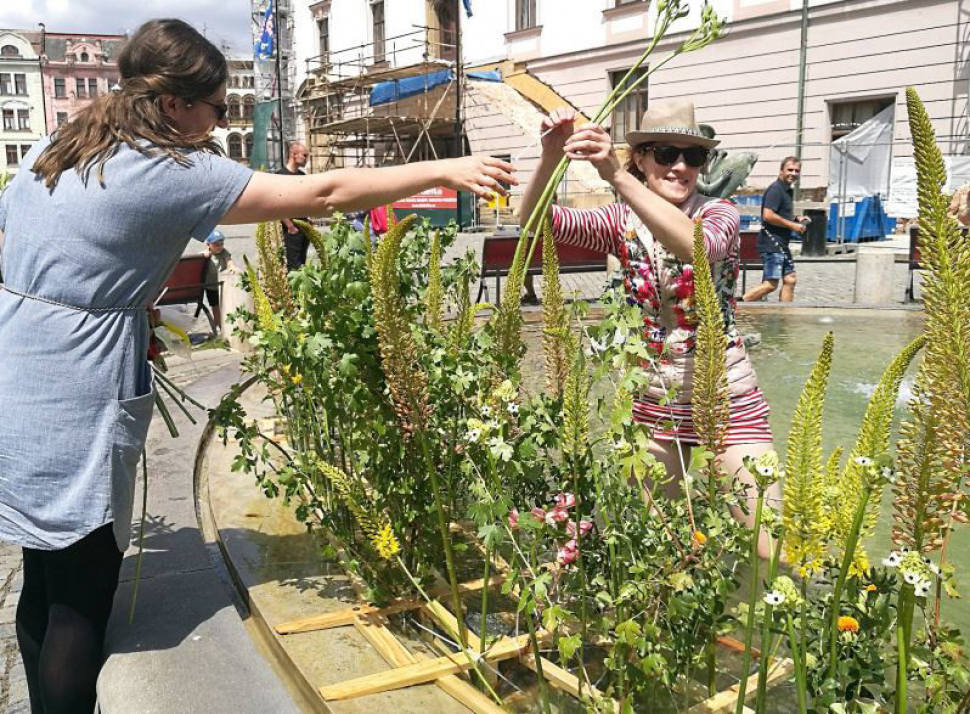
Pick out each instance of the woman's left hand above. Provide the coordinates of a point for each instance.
(591, 143)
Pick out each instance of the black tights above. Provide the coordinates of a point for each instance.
(61, 621)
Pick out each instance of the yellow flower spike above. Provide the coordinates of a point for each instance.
(848, 624)
(386, 543)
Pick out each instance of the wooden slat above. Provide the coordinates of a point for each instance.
(375, 630)
(726, 701)
(347, 616)
(422, 672)
(561, 678)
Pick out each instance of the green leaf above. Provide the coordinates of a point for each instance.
(568, 646)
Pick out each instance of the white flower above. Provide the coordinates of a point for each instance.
(934, 568)
(774, 598)
(513, 408)
(912, 577)
(474, 435)
(892, 560)
(597, 346)
(904, 550)
(486, 411)
(887, 473)
(863, 461)
(765, 471)
(618, 337)
(922, 588)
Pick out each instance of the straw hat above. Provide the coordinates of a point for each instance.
(671, 120)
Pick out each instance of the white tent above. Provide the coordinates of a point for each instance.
(859, 162)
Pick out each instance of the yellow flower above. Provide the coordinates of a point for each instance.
(870, 588)
(848, 624)
(297, 378)
(385, 543)
(699, 538)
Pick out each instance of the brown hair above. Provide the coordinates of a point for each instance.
(631, 164)
(789, 160)
(164, 57)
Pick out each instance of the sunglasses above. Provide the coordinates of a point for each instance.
(694, 156)
(221, 109)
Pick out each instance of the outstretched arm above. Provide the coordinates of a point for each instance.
(274, 197)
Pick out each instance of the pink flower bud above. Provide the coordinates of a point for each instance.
(565, 500)
(568, 553)
(584, 528)
(558, 515)
(539, 514)
(514, 518)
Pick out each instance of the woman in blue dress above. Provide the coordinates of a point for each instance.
(92, 225)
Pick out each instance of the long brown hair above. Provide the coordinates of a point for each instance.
(164, 57)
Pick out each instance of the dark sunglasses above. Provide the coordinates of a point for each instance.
(694, 156)
(221, 110)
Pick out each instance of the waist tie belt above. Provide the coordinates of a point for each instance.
(38, 298)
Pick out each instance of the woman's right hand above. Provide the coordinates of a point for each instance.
(556, 129)
(482, 175)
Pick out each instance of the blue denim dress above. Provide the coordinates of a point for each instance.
(80, 264)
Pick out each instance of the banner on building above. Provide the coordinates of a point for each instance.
(265, 43)
(903, 194)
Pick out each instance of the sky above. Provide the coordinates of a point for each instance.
(222, 21)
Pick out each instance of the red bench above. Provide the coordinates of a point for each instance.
(748, 258)
(498, 252)
(186, 286)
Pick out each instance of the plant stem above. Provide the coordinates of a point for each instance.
(904, 633)
(141, 536)
(847, 558)
(582, 575)
(799, 666)
(483, 628)
(534, 641)
(752, 600)
(445, 540)
(766, 636)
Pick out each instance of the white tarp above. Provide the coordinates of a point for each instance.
(902, 192)
(859, 162)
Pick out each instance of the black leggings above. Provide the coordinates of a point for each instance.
(61, 621)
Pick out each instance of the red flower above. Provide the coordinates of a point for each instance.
(584, 528)
(514, 518)
(569, 553)
(559, 515)
(565, 500)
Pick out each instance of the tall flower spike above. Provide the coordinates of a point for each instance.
(803, 507)
(369, 518)
(872, 443)
(407, 382)
(710, 388)
(265, 319)
(554, 315)
(932, 462)
(434, 295)
(315, 237)
(272, 269)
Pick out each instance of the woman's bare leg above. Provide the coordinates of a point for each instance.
(732, 461)
(675, 458)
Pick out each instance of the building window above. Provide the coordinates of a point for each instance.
(5, 86)
(85, 57)
(9, 51)
(82, 88)
(377, 13)
(24, 150)
(8, 120)
(627, 115)
(249, 145)
(235, 146)
(20, 83)
(60, 91)
(13, 158)
(92, 87)
(525, 14)
(849, 116)
(323, 40)
(61, 118)
(625, 2)
(235, 109)
(23, 120)
(248, 105)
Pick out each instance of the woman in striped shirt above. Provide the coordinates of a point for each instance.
(651, 232)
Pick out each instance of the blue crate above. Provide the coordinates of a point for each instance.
(869, 223)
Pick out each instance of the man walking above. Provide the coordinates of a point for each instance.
(777, 223)
(295, 242)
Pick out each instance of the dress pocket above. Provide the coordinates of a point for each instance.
(128, 439)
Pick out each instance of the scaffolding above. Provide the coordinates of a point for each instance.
(345, 130)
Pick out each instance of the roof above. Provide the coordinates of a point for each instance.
(55, 45)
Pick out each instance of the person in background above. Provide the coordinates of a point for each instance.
(121, 189)
(220, 261)
(296, 244)
(777, 223)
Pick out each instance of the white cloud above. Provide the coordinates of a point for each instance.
(222, 21)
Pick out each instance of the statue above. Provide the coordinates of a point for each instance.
(725, 174)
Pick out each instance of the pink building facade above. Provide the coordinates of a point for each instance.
(77, 69)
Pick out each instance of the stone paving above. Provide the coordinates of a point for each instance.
(825, 283)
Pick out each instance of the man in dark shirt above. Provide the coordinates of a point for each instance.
(777, 223)
(295, 242)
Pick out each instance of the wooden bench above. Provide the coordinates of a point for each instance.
(498, 252)
(186, 286)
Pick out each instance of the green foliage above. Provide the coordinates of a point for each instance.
(272, 267)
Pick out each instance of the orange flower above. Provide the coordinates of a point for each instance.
(848, 624)
(870, 588)
(699, 538)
